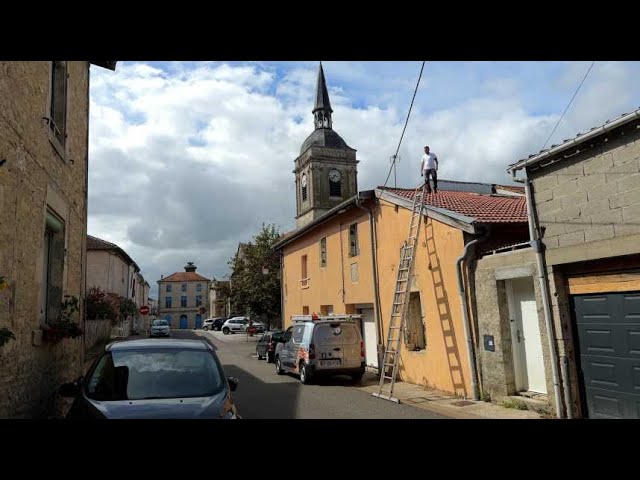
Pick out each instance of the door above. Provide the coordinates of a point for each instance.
(609, 347)
(198, 321)
(370, 334)
(184, 322)
(528, 362)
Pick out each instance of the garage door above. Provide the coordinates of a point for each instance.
(609, 336)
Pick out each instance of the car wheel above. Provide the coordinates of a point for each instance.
(356, 378)
(205, 328)
(305, 378)
(279, 370)
(225, 330)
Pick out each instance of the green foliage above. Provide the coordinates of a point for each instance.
(6, 335)
(127, 307)
(253, 291)
(100, 305)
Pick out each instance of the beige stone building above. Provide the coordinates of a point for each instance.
(44, 134)
(111, 269)
(182, 296)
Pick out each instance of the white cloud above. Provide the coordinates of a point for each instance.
(186, 162)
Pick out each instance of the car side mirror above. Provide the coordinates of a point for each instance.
(71, 389)
(233, 383)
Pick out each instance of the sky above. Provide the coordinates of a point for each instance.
(186, 159)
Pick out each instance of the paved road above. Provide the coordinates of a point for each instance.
(263, 394)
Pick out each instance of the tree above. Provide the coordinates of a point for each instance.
(255, 277)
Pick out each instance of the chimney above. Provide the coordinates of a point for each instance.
(161, 277)
(190, 267)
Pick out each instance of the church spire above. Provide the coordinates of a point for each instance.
(322, 109)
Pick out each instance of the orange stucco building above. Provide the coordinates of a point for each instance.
(344, 253)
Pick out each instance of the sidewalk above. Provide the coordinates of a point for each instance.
(446, 404)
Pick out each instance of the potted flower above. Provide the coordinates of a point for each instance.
(64, 327)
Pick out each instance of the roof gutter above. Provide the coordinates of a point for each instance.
(576, 141)
(374, 266)
(466, 256)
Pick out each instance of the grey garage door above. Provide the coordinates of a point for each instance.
(609, 335)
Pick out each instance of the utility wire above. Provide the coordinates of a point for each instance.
(568, 105)
(395, 157)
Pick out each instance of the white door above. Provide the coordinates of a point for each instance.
(528, 361)
(370, 337)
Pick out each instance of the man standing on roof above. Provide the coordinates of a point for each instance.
(429, 167)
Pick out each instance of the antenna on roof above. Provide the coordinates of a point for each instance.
(394, 160)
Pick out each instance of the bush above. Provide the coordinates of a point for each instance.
(101, 305)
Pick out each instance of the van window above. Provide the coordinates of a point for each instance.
(298, 333)
(336, 333)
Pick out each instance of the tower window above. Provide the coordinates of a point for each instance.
(335, 183)
(304, 187)
(354, 250)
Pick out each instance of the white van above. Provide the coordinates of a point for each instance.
(321, 345)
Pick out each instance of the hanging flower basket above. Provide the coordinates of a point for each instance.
(57, 331)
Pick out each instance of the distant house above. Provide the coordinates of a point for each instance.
(182, 296)
(44, 137)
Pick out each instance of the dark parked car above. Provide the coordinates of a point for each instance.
(266, 347)
(217, 324)
(154, 379)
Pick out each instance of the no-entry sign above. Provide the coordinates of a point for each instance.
(144, 310)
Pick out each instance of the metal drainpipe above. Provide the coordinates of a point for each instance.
(544, 288)
(374, 266)
(281, 289)
(465, 315)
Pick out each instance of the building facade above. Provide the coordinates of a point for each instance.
(44, 128)
(183, 298)
(585, 198)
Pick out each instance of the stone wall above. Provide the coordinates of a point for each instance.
(34, 178)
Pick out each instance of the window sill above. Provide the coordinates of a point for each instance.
(59, 149)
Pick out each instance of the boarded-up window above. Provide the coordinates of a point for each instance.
(323, 252)
(354, 273)
(305, 310)
(415, 338)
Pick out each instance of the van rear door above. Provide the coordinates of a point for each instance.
(337, 345)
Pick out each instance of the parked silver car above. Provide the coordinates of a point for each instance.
(154, 379)
(160, 328)
(240, 325)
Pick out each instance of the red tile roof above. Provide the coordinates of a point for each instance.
(484, 208)
(185, 277)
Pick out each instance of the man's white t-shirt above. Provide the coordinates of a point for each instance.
(429, 161)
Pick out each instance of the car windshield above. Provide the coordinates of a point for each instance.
(155, 373)
(160, 323)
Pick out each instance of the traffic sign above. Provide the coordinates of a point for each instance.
(144, 310)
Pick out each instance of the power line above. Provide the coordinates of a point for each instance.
(568, 105)
(395, 157)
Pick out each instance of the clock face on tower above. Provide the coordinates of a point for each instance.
(304, 180)
(334, 175)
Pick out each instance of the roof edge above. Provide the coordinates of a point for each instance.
(579, 139)
(449, 217)
(323, 218)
